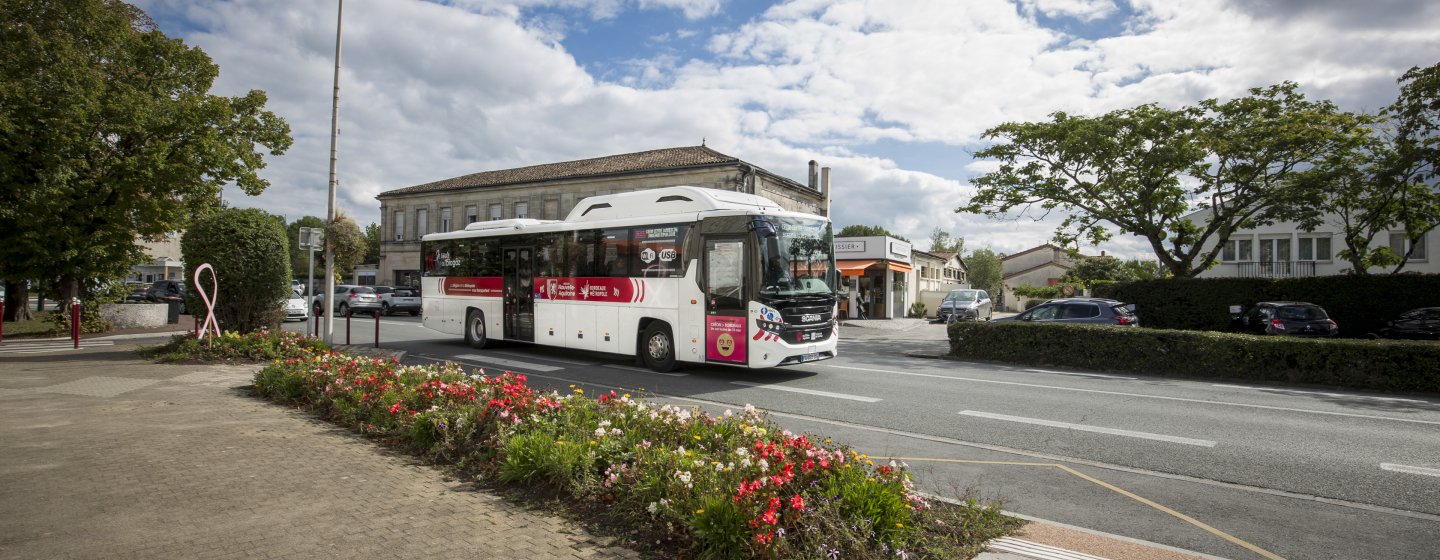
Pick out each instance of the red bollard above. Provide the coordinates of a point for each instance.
(347, 325)
(377, 327)
(197, 328)
(2, 319)
(75, 322)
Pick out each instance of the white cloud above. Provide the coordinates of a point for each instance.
(432, 91)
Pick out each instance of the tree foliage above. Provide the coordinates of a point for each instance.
(867, 231)
(1089, 270)
(1145, 170)
(985, 271)
(372, 244)
(347, 243)
(300, 258)
(942, 242)
(248, 251)
(109, 137)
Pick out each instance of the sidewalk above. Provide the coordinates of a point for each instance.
(111, 456)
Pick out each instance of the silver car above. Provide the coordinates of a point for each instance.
(349, 297)
(965, 305)
(398, 300)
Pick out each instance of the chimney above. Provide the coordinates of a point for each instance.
(1102, 253)
(825, 190)
(814, 176)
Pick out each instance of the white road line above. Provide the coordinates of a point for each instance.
(548, 359)
(643, 370)
(807, 391)
(1295, 392)
(1077, 374)
(1124, 394)
(1409, 469)
(507, 363)
(1036, 550)
(1085, 428)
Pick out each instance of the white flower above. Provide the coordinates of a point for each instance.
(684, 476)
(750, 409)
(745, 462)
(605, 424)
(742, 452)
(727, 413)
(615, 431)
(599, 432)
(652, 508)
(764, 465)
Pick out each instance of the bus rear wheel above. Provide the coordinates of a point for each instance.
(657, 348)
(475, 330)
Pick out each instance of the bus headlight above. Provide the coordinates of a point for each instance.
(770, 326)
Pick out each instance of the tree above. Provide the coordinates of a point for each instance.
(372, 244)
(1144, 170)
(867, 231)
(247, 250)
(985, 270)
(1089, 270)
(108, 137)
(1144, 269)
(941, 242)
(348, 244)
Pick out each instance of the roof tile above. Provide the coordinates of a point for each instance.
(638, 161)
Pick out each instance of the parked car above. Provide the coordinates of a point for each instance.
(398, 299)
(139, 291)
(164, 291)
(1286, 318)
(1422, 324)
(965, 305)
(297, 287)
(1091, 311)
(354, 298)
(295, 308)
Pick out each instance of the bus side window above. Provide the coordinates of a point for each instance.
(614, 253)
(436, 257)
(657, 251)
(548, 247)
(486, 258)
(579, 255)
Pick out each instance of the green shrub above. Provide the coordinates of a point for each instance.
(1033, 303)
(1360, 304)
(249, 253)
(917, 310)
(1371, 364)
(232, 346)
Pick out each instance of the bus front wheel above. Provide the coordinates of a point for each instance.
(657, 348)
(475, 330)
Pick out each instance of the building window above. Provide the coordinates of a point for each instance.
(495, 211)
(470, 215)
(422, 223)
(399, 227)
(1314, 248)
(1398, 245)
(1241, 250)
(444, 220)
(522, 210)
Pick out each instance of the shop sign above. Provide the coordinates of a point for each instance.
(849, 246)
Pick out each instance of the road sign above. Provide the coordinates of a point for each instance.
(312, 239)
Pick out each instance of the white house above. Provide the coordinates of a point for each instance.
(876, 272)
(1283, 250)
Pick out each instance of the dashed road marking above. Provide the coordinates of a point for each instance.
(1087, 428)
(507, 363)
(1409, 469)
(643, 370)
(807, 391)
(1323, 394)
(548, 359)
(1077, 374)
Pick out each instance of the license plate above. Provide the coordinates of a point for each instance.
(810, 357)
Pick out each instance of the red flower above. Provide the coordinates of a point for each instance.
(797, 502)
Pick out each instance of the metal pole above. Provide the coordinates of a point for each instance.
(330, 209)
(27, 304)
(75, 321)
(310, 320)
(377, 327)
(347, 325)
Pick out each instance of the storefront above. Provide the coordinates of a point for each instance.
(876, 272)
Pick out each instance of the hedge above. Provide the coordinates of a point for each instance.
(1390, 365)
(248, 251)
(1360, 304)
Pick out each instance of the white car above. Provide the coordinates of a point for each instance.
(398, 299)
(295, 308)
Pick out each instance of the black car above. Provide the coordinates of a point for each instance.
(1422, 324)
(1090, 311)
(1286, 318)
(165, 291)
(139, 291)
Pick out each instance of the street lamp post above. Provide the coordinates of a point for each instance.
(330, 209)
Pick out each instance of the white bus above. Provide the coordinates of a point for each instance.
(671, 275)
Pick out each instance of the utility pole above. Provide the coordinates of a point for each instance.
(330, 210)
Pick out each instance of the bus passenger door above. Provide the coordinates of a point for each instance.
(725, 299)
(519, 302)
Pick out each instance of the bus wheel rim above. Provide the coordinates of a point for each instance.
(659, 346)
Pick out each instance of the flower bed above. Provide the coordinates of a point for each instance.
(728, 486)
(232, 346)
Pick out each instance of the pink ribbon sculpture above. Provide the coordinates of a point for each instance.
(210, 321)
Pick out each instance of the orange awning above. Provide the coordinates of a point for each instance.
(899, 267)
(853, 268)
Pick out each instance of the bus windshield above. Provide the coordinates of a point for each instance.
(797, 258)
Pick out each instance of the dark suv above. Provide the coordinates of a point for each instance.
(1089, 311)
(1286, 318)
(164, 291)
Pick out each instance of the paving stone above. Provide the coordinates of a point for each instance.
(108, 456)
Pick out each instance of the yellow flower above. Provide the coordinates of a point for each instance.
(581, 391)
(871, 463)
(899, 524)
(699, 511)
(697, 437)
(572, 386)
(866, 457)
(714, 462)
(761, 430)
(592, 442)
(627, 395)
(559, 443)
(827, 441)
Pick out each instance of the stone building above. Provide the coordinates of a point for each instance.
(550, 191)
(165, 260)
(1038, 267)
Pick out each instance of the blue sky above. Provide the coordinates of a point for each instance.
(891, 94)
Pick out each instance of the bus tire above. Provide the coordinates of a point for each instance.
(657, 348)
(475, 332)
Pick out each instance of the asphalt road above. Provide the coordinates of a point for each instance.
(1294, 471)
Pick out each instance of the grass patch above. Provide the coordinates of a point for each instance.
(263, 346)
(40, 326)
(664, 480)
